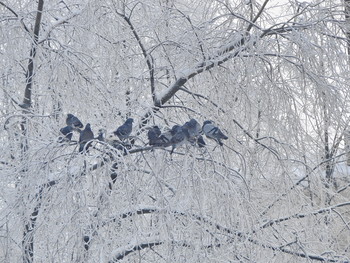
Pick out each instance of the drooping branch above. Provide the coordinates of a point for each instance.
(120, 253)
(297, 216)
(58, 23)
(311, 170)
(16, 15)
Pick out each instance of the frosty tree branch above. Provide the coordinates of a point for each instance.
(121, 252)
(147, 56)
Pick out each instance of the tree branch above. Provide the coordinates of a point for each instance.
(320, 211)
(27, 101)
(16, 15)
(123, 251)
(148, 57)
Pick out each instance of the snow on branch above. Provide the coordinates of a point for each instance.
(133, 246)
(222, 55)
(320, 211)
(137, 245)
(58, 23)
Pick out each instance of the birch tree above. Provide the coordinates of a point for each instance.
(274, 77)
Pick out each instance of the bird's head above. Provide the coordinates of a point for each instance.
(102, 131)
(69, 115)
(175, 129)
(130, 120)
(193, 122)
(207, 122)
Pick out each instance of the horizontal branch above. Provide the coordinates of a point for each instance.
(296, 216)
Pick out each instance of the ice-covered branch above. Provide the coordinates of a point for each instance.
(30, 226)
(223, 55)
(147, 56)
(58, 23)
(297, 216)
(16, 15)
(133, 246)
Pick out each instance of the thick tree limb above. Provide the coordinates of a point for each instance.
(27, 101)
(29, 227)
(123, 252)
(222, 56)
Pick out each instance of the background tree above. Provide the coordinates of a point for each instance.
(273, 77)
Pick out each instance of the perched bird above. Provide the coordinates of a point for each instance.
(194, 130)
(86, 135)
(153, 135)
(200, 141)
(213, 132)
(123, 132)
(164, 139)
(193, 127)
(73, 121)
(101, 135)
(180, 136)
(67, 132)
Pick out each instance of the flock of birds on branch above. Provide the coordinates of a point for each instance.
(190, 132)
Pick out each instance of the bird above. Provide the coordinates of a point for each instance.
(86, 135)
(200, 141)
(101, 135)
(73, 121)
(67, 132)
(194, 130)
(213, 132)
(180, 136)
(123, 132)
(164, 139)
(153, 135)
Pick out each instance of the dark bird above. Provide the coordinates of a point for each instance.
(67, 132)
(194, 130)
(193, 127)
(153, 135)
(180, 136)
(213, 132)
(200, 141)
(164, 139)
(123, 132)
(86, 136)
(73, 121)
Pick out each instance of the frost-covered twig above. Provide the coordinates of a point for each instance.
(297, 216)
(146, 55)
(58, 23)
